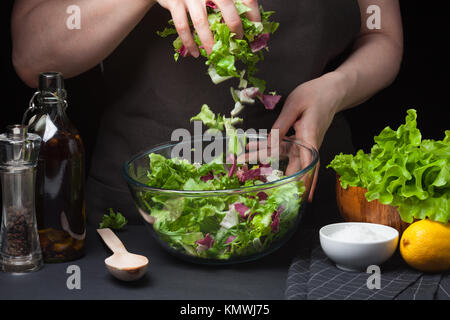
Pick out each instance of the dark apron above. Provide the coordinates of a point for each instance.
(150, 94)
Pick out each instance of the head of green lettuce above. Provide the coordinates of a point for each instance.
(403, 171)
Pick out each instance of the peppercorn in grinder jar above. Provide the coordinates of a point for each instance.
(19, 242)
(60, 203)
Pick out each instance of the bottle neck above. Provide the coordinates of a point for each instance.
(53, 104)
(50, 102)
(54, 108)
(47, 110)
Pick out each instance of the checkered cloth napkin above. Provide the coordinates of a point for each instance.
(313, 276)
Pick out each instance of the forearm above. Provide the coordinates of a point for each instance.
(42, 41)
(372, 66)
(376, 57)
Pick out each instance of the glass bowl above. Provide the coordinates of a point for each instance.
(230, 225)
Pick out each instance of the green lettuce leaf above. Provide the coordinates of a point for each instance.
(113, 220)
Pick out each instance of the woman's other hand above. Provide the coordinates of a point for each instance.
(310, 109)
(179, 10)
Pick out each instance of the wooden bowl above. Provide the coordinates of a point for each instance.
(354, 207)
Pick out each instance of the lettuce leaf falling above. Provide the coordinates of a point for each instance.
(228, 51)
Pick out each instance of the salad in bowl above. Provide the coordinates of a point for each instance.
(227, 210)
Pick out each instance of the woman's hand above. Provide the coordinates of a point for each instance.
(197, 12)
(310, 109)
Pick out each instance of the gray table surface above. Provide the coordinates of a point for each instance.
(167, 278)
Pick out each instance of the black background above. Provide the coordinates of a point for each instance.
(422, 83)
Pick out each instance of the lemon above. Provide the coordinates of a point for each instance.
(425, 246)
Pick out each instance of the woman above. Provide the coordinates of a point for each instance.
(150, 95)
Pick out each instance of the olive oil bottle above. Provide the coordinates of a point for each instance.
(60, 203)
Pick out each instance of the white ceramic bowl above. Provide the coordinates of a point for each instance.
(357, 256)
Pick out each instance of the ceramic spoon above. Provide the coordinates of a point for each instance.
(122, 264)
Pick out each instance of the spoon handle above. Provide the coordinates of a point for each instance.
(111, 240)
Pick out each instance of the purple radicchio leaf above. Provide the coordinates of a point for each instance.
(230, 239)
(207, 177)
(242, 209)
(205, 243)
(260, 42)
(211, 4)
(275, 225)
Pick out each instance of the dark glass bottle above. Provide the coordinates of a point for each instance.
(60, 204)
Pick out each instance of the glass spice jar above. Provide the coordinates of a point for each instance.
(19, 242)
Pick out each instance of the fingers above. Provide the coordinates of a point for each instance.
(231, 16)
(294, 165)
(299, 159)
(254, 15)
(289, 114)
(306, 133)
(199, 18)
(198, 14)
(181, 23)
